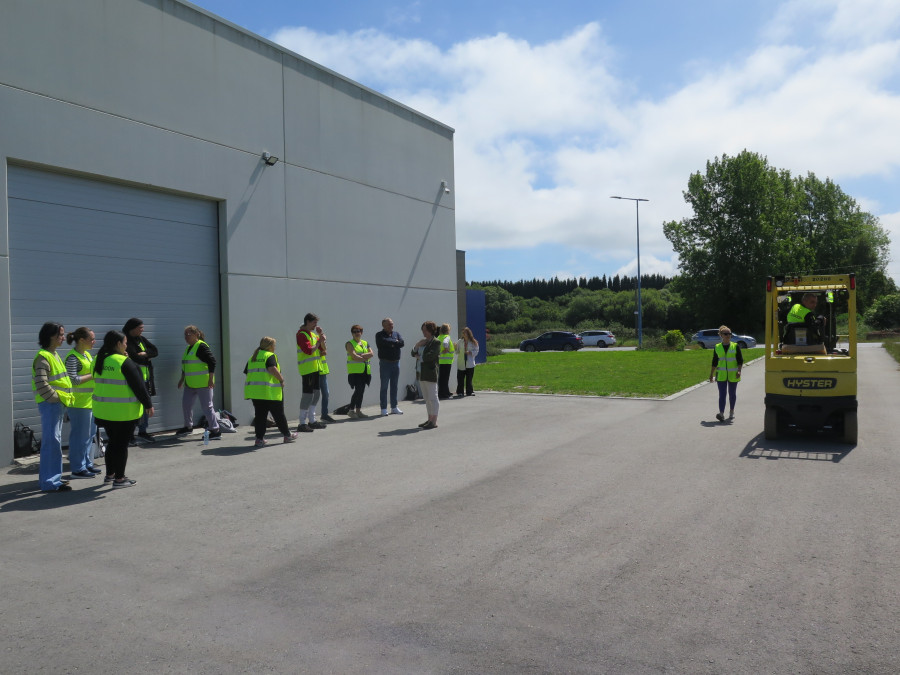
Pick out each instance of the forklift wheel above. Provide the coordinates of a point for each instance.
(850, 427)
(771, 424)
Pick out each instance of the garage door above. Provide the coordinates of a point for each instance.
(93, 253)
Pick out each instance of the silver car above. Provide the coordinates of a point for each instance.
(708, 339)
(597, 338)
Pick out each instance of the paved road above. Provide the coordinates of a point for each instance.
(528, 534)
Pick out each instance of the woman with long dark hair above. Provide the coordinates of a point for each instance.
(52, 393)
(120, 399)
(79, 364)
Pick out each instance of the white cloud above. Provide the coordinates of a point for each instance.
(545, 133)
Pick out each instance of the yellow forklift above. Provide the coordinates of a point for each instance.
(810, 369)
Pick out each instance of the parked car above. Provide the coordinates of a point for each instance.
(597, 338)
(708, 339)
(556, 339)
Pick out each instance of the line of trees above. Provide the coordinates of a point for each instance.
(547, 289)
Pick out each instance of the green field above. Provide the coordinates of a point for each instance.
(599, 373)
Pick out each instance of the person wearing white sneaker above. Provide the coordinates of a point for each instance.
(309, 366)
(265, 389)
(389, 344)
(727, 362)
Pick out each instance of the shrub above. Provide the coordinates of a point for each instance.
(675, 340)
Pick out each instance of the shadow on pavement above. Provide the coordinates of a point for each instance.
(400, 432)
(820, 447)
(27, 496)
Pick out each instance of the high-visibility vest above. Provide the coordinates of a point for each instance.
(83, 390)
(360, 347)
(59, 378)
(309, 363)
(261, 384)
(145, 370)
(196, 372)
(798, 314)
(323, 365)
(448, 357)
(727, 367)
(461, 364)
(113, 398)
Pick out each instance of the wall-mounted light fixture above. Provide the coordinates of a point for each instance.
(446, 187)
(269, 159)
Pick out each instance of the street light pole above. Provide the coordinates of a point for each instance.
(637, 209)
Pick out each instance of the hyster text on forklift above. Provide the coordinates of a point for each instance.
(810, 369)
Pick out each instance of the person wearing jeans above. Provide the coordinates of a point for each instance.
(52, 393)
(389, 344)
(79, 364)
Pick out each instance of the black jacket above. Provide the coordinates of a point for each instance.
(132, 349)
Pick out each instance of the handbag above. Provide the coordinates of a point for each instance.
(98, 446)
(24, 442)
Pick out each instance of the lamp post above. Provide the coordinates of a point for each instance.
(637, 207)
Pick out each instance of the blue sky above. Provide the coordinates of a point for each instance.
(559, 105)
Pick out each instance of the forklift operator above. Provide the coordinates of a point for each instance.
(802, 312)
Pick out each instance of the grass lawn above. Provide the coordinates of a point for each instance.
(599, 373)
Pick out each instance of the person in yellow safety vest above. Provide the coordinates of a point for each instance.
(445, 363)
(359, 369)
(79, 363)
(119, 400)
(804, 312)
(265, 388)
(727, 362)
(309, 366)
(198, 375)
(52, 393)
(141, 351)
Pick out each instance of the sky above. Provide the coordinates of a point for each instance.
(558, 106)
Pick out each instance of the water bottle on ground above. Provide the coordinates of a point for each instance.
(206, 437)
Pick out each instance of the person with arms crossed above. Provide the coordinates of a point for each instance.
(389, 344)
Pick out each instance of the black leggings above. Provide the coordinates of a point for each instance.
(119, 434)
(358, 382)
(261, 410)
(464, 377)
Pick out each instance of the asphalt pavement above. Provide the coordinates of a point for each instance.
(526, 534)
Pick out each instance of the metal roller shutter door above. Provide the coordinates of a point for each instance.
(92, 253)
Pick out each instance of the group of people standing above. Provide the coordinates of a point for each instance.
(265, 381)
(113, 390)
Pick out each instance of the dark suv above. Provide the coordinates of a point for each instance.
(556, 339)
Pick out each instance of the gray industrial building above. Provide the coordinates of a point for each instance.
(132, 183)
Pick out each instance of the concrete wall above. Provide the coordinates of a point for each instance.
(351, 223)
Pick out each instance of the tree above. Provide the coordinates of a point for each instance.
(500, 305)
(885, 312)
(752, 220)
